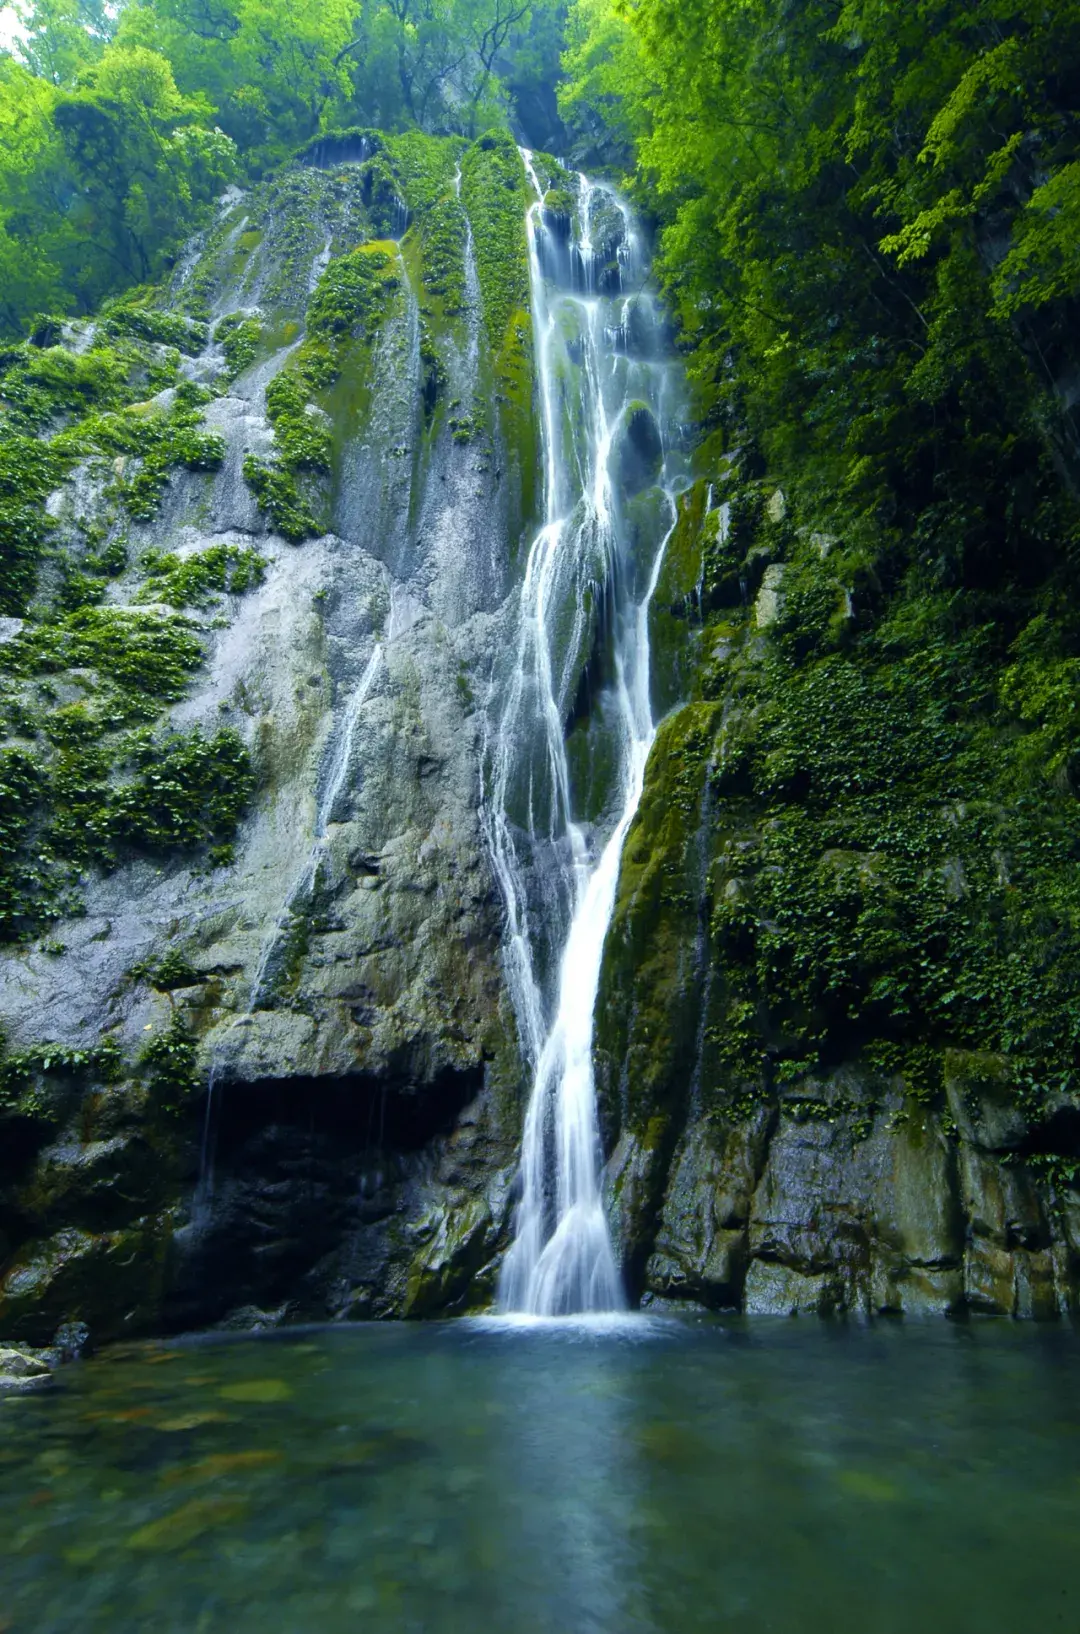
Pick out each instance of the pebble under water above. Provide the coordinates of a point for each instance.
(609, 1475)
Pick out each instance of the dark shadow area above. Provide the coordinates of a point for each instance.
(302, 1168)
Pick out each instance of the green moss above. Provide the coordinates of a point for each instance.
(639, 451)
(108, 562)
(344, 146)
(188, 790)
(495, 193)
(35, 1082)
(80, 789)
(45, 330)
(426, 166)
(21, 876)
(37, 386)
(883, 848)
(302, 437)
(239, 338)
(80, 589)
(88, 790)
(137, 661)
(167, 974)
(133, 315)
(645, 1041)
(350, 298)
(158, 441)
(348, 306)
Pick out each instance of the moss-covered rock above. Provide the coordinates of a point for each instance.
(110, 1280)
(339, 964)
(638, 450)
(496, 196)
(845, 896)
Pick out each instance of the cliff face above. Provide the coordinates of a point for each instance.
(263, 537)
(834, 1038)
(249, 673)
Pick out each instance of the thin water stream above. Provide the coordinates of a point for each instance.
(583, 616)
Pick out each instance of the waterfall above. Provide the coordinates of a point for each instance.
(582, 621)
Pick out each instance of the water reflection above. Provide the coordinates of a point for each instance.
(566, 1473)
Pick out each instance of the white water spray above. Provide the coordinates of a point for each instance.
(558, 875)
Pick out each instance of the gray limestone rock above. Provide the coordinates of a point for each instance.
(19, 1367)
(828, 1210)
(349, 1008)
(702, 1242)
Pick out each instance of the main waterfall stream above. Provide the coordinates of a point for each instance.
(608, 400)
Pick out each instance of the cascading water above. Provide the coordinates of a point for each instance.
(606, 394)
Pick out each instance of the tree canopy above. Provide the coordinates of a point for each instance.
(871, 231)
(121, 124)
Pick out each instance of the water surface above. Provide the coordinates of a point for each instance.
(617, 1477)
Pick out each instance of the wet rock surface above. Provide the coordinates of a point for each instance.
(21, 1370)
(329, 1125)
(799, 1115)
(820, 1212)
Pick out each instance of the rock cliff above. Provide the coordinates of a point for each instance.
(260, 1057)
(833, 1042)
(264, 533)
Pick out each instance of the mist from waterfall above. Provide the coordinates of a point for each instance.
(582, 625)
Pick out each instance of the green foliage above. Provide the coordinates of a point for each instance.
(169, 973)
(887, 840)
(28, 472)
(92, 396)
(302, 436)
(193, 581)
(137, 661)
(606, 88)
(77, 807)
(426, 168)
(23, 1094)
(170, 1059)
(39, 385)
(105, 169)
(496, 194)
(20, 786)
(347, 307)
(866, 234)
(160, 442)
(188, 790)
(239, 339)
(108, 562)
(276, 490)
(117, 131)
(130, 316)
(351, 294)
(89, 790)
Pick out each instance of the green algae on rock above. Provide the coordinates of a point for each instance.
(831, 900)
(179, 685)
